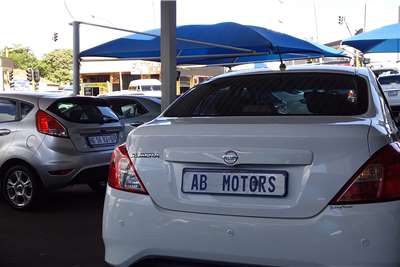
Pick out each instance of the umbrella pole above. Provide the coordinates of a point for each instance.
(76, 58)
(168, 53)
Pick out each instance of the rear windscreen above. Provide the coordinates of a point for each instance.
(151, 87)
(83, 110)
(280, 94)
(389, 79)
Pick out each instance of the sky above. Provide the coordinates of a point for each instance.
(32, 23)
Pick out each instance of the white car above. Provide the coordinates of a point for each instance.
(228, 174)
(146, 87)
(391, 86)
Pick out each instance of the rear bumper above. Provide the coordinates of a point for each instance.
(86, 167)
(135, 228)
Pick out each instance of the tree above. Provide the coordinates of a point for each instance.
(57, 66)
(22, 56)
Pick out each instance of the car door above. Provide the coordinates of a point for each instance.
(9, 117)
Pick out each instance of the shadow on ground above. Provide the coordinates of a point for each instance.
(65, 231)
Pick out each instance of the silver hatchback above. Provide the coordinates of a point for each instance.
(51, 141)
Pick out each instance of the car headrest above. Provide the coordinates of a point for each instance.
(328, 103)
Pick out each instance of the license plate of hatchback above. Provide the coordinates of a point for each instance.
(233, 182)
(392, 93)
(103, 140)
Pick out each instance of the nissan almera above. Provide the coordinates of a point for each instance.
(273, 168)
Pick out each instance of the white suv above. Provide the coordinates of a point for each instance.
(292, 168)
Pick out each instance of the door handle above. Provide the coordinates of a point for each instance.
(4, 132)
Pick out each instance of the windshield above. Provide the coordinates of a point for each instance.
(281, 94)
(151, 88)
(389, 79)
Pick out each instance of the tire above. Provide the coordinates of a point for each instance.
(98, 187)
(21, 187)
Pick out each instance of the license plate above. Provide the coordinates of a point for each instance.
(233, 182)
(103, 140)
(392, 93)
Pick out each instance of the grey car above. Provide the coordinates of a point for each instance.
(51, 141)
(132, 110)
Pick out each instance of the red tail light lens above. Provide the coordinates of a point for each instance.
(122, 174)
(378, 180)
(47, 124)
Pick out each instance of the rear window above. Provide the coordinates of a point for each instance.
(151, 88)
(280, 94)
(83, 110)
(126, 108)
(389, 79)
(8, 110)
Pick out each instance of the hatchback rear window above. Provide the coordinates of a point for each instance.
(83, 110)
(278, 94)
(389, 79)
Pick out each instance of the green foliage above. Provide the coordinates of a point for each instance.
(57, 66)
(22, 56)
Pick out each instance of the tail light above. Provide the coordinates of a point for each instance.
(47, 124)
(378, 180)
(122, 174)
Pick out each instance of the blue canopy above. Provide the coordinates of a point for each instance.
(381, 40)
(231, 61)
(261, 44)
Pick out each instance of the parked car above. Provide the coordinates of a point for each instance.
(147, 87)
(379, 71)
(51, 141)
(227, 174)
(391, 86)
(133, 110)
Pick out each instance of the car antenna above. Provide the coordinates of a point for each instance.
(282, 66)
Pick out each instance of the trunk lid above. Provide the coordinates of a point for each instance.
(318, 155)
(90, 122)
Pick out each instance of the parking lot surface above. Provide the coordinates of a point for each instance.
(65, 231)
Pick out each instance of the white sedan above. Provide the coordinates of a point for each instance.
(238, 171)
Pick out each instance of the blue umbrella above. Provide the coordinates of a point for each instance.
(226, 41)
(382, 40)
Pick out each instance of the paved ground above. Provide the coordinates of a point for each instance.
(65, 232)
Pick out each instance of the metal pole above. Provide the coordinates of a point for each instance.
(75, 58)
(2, 78)
(365, 16)
(178, 57)
(399, 14)
(168, 52)
(121, 87)
(316, 22)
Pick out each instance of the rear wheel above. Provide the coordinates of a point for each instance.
(21, 187)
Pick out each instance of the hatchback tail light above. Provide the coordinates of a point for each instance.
(378, 180)
(47, 124)
(122, 173)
